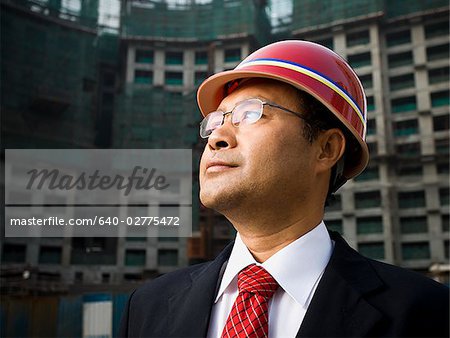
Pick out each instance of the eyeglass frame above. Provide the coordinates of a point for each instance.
(263, 103)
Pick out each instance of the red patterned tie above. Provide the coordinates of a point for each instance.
(249, 314)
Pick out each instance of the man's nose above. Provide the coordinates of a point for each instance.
(224, 136)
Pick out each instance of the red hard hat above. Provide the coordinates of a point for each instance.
(310, 67)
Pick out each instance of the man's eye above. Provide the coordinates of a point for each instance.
(214, 124)
(250, 116)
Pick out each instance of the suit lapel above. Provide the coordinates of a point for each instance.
(190, 307)
(338, 307)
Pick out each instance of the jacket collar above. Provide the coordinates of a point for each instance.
(190, 307)
(338, 307)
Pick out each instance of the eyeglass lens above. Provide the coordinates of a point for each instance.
(246, 112)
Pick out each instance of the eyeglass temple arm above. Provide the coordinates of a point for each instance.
(316, 123)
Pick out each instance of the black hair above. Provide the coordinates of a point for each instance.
(319, 119)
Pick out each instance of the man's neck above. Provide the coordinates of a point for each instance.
(264, 242)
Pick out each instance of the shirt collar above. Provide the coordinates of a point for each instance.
(297, 267)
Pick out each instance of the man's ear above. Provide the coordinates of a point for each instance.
(331, 147)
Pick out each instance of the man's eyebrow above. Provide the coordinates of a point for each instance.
(259, 97)
(266, 100)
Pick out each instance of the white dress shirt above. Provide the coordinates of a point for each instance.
(297, 268)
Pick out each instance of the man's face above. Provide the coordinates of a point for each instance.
(261, 165)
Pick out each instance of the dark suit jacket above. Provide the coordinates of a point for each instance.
(356, 297)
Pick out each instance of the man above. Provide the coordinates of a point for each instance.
(285, 130)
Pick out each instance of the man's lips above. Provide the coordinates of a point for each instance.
(219, 166)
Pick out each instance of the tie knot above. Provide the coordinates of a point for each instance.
(255, 279)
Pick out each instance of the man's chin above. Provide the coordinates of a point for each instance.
(215, 200)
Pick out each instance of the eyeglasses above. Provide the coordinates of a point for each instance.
(244, 113)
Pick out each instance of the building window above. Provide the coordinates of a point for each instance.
(398, 38)
(106, 278)
(201, 58)
(370, 173)
(373, 148)
(367, 81)
(441, 146)
(144, 56)
(441, 122)
(132, 277)
(401, 82)
(371, 127)
(411, 199)
(134, 257)
(14, 253)
(438, 75)
(400, 59)
(443, 167)
(135, 239)
(232, 55)
(403, 104)
(358, 38)
(360, 60)
(174, 78)
(167, 257)
(200, 77)
(444, 196)
(93, 250)
(436, 29)
(413, 225)
(50, 255)
(143, 77)
(335, 225)
(369, 199)
(335, 204)
(438, 52)
(439, 99)
(370, 103)
(446, 248)
(420, 250)
(369, 225)
(409, 170)
(326, 42)
(174, 58)
(78, 278)
(405, 128)
(407, 150)
(372, 250)
(445, 222)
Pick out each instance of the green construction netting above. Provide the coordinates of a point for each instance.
(85, 12)
(312, 13)
(155, 117)
(217, 19)
(48, 72)
(399, 8)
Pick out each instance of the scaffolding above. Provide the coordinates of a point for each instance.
(219, 19)
(401, 8)
(53, 60)
(311, 14)
(155, 117)
(85, 17)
